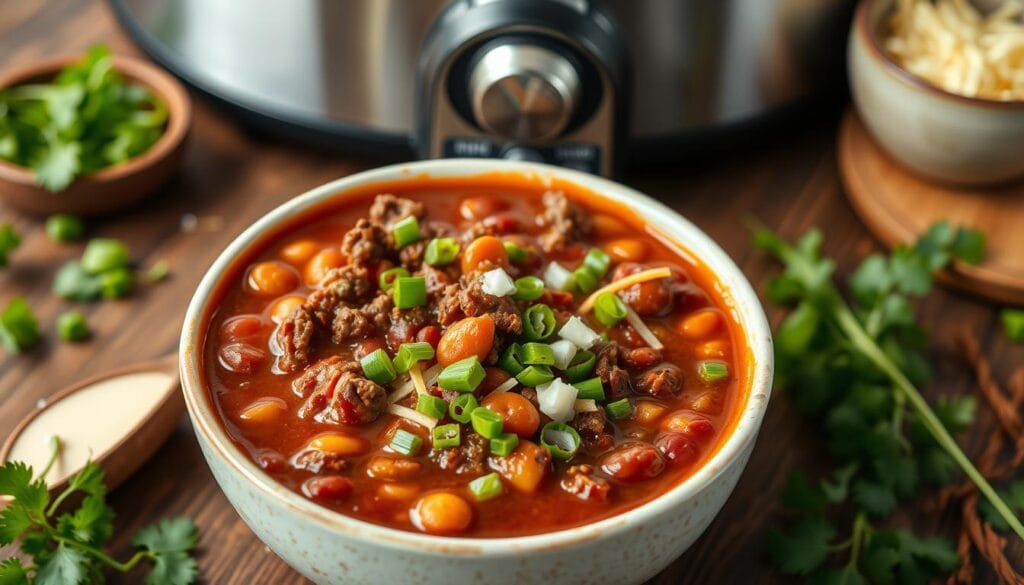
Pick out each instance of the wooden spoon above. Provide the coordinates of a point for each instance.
(117, 419)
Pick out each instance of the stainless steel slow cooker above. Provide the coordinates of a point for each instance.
(580, 83)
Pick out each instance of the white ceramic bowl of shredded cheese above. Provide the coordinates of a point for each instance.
(942, 135)
(631, 547)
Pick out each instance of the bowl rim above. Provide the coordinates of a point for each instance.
(867, 29)
(732, 281)
(161, 83)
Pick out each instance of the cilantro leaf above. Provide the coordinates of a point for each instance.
(92, 523)
(9, 240)
(19, 328)
(804, 548)
(58, 166)
(12, 572)
(173, 568)
(170, 535)
(801, 495)
(67, 566)
(848, 575)
(1014, 498)
(14, 520)
(875, 498)
(16, 481)
(89, 480)
(969, 246)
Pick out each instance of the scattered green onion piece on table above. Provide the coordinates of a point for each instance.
(19, 328)
(486, 487)
(1013, 324)
(431, 406)
(462, 376)
(609, 309)
(533, 376)
(487, 422)
(504, 444)
(411, 353)
(713, 371)
(560, 439)
(9, 240)
(619, 409)
(104, 254)
(462, 407)
(410, 291)
(65, 228)
(117, 283)
(378, 367)
(406, 443)
(446, 436)
(386, 280)
(598, 262)
(441, 251)
(590, 389)
(581, 366)
(72, 282)
(509, 360)
(528, 288)
(406, 231)
(157, 272)
(536, 354)
(585, 279)
(516, 254)
(73, 326)
(538, 322)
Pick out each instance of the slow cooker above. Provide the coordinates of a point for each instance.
(585, 84)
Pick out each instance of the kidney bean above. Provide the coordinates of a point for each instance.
(327, 487)
(635, 461)
(241, 328)
(430, 334)
(366, 346)
(241, 358)
(677, 448)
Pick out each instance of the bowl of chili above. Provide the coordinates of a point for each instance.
(476, 372)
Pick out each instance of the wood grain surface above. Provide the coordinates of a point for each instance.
(788, 180)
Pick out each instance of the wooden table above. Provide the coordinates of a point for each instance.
(789, 183)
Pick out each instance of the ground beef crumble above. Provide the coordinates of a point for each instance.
(565, 223)
(336, 392)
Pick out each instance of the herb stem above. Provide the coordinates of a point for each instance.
(55, 448)
(860, 531)
(863, 342)
(103, 557)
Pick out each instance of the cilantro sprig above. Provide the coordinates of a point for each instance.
(854, 366)
(9, 241)
(67, 548)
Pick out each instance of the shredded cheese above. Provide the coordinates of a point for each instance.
(406, 387)
(417, 379)
(645, 332)
(585, 405)
(413, 415)
(506, 385)
(624, 283)
(950, 44)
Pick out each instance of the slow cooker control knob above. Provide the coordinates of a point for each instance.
(524, 93)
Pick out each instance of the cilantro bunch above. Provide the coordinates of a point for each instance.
(854, 367)
(86, 119)
(67, 548)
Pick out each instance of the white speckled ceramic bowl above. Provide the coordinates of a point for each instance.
(938, 134)
(331, 548)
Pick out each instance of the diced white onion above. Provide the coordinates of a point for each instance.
(576, 331)
(585, 405)
(557, 399)
(645, 332)
(506, 385)
(556, 277)
(413, 415)
(564, 351)
(498, 283)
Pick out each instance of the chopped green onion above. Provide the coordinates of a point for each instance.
(598, 262)
(713, 371)
(528, 288)
(406, 443)
(581, 365)
(538, 322)
(72, 326)
(103, 254)
(1013, 324)
(619, 409)
(445, 436)
(516, 254)
(116, 283)
(560, 439)
(487, 422)
(533, 376)
(590, 389)
(510, 360)
(431, 406)
(378, 367)
(441, 251)
(486, 487)
(463, 376)
(406, 231)
(462, 407)
(157, 272)
(536, 354)
(609, 309)
(64, 228)
(411, 353)
(410, 291)
(504, 444)
(386, 280)
(585, 280)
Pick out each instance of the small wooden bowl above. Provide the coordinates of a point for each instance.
(112, 187)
